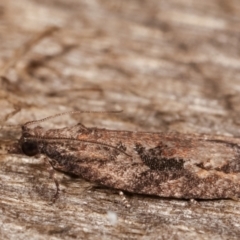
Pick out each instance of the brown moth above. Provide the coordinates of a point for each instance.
(165, 164)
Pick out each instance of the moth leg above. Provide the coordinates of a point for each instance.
(51, 171)
(51, 175)
(124, 200)
(193, 202)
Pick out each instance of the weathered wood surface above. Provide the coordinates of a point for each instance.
(170, 65)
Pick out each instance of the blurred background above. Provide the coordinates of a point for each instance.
(169, 65)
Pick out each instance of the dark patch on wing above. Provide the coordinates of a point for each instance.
(155, 159)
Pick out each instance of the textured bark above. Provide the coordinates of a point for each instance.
(169, 65)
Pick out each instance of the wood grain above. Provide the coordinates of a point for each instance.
(170, 65)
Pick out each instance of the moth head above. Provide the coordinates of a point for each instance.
(29, 148)
(27, 143)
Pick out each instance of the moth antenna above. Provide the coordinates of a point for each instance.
(65, 113)
(78, 140)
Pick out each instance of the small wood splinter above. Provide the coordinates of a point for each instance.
(124, 200)
(51, 171)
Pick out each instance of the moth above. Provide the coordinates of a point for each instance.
(165, 164)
